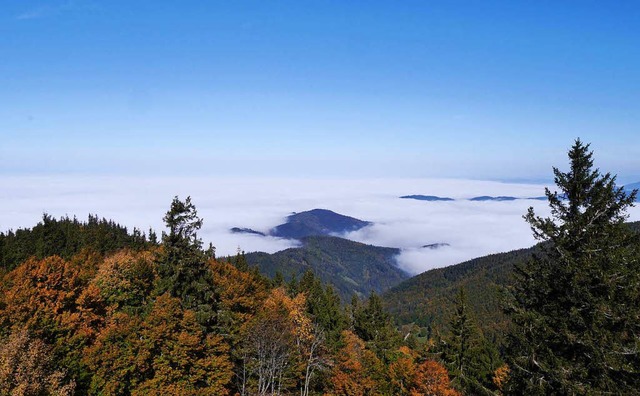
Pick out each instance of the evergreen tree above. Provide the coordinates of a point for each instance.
(278, 279)
(470, 359)
(324, 306)
(575, 306)
(211, 251)
(153, 238)
(373, 325)
(461, 341)
(240, 261)
(183, 268)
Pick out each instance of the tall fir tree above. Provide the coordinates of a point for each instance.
(374, 326)
(576, 306)
(470, 358)
(183, 268)
(324, 306)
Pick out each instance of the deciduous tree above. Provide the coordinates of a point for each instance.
(27, 368)
(357, 370)
(166, 352)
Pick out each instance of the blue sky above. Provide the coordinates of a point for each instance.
(489, 90)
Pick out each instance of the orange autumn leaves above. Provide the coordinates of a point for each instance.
(359, 372)
(165, 351)
(103, 318)
(282, 349)
(98, 325)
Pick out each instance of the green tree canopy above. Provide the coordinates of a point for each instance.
(575, 306)
(183, 267)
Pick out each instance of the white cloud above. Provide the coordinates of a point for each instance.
(471, 228)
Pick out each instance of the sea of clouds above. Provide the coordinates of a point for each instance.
(470, 228)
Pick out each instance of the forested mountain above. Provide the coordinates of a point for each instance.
(66, 237)
(428, 299)
(311, 223)
(170, 319)
(317, 222)
(91, 309)
(351, 267)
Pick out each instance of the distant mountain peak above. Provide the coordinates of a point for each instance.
(239, 230)
(431, 198)
(317, 222)
(490, 198)
(434, 246)
(481, 198)
(314, 222)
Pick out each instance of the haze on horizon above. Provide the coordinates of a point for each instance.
(481, 90)
(258, 109)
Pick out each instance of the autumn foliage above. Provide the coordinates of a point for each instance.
(147, 321)
(27, 368)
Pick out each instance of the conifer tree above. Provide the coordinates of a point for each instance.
(183, 268)
(240, 261)
(324, 306)
(373, 325)
(470, 358)
(575, 307)
(460, 343)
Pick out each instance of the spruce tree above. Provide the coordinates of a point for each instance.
(183, 266)
(373, 325)
(575, 307)
(324, 306)
(470, 358)
(461, 341)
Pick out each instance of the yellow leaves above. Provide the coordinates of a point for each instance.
(402, 371)
(500, 376)
(126, 277)
(292, 310)
(432, 379)
(356, 369)
(164, 353)
(82, 309)
(241, 296)
(26, 368)
(41, 290)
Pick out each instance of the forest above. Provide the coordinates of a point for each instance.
(89, 308)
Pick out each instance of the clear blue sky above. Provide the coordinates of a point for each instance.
(476, 89)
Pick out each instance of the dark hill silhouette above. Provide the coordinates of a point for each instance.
(430, 198)
(351, 267)
(315, 222)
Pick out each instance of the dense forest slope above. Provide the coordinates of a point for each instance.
(168, 318)
(428, 299)
(66, 237)
(351, 267)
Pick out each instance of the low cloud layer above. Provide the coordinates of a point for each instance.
(470, 228)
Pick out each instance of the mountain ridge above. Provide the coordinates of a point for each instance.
(428, 299)
(351, 267)
(312, 222)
